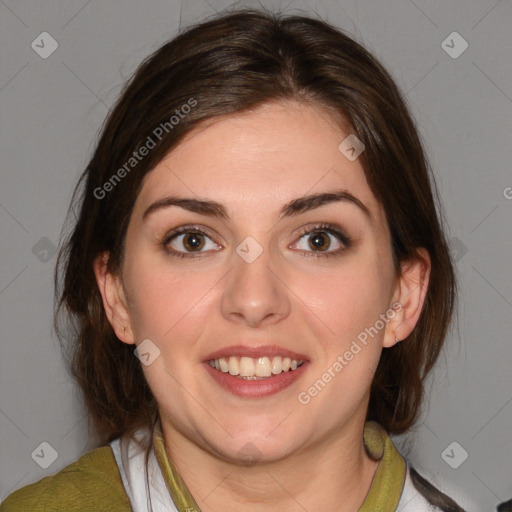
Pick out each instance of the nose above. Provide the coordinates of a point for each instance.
(255, 293)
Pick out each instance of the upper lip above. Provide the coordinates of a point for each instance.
(254, 352)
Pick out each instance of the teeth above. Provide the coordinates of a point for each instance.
(233, 366)
(277, 365)
(247, 367)
(224, 365)
(252, 369)
(263, 367)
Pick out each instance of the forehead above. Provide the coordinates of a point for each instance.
(260, 159)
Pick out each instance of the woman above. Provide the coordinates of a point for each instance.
(259, 280)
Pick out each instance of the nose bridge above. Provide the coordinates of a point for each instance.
(254, 293)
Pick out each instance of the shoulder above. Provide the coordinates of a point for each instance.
(91, 483)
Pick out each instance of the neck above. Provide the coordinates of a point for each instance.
(333, 474)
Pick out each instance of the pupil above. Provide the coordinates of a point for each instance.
(318, 241)
(193, 241)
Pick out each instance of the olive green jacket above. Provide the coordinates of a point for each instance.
(93, 483)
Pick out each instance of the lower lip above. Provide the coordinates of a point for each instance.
(255, 388)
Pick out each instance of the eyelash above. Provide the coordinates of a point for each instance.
(319, 228)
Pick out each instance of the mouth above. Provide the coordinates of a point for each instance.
(255, 371)
(248, 368)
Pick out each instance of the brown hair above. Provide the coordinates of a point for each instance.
(227, 65)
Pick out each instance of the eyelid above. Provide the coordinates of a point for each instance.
(186, 229)
(326, 227)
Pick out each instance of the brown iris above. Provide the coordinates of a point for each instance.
(319, 241)
(193, 241)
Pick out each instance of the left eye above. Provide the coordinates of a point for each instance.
(321, 240)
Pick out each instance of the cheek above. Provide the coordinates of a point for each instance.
(347, 300)
(167, 305)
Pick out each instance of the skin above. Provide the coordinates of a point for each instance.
(253, 163)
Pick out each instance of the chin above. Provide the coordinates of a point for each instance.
(256, 447)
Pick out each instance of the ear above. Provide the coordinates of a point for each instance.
(410, 292)
(114, 300)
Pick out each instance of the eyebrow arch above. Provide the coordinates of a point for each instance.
(312, 201)
(293, 207)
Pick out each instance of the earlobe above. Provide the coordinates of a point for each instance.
(114, 300)
(410, 293)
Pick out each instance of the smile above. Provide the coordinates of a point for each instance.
(249, 368)
(252, 385)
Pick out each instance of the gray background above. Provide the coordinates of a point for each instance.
(53, 108)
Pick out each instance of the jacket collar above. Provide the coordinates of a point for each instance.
(384, 493)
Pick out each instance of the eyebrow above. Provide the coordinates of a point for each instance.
(293, 207)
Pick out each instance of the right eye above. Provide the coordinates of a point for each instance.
(186, 241)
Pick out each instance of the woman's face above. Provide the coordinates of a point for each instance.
(273, 273)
